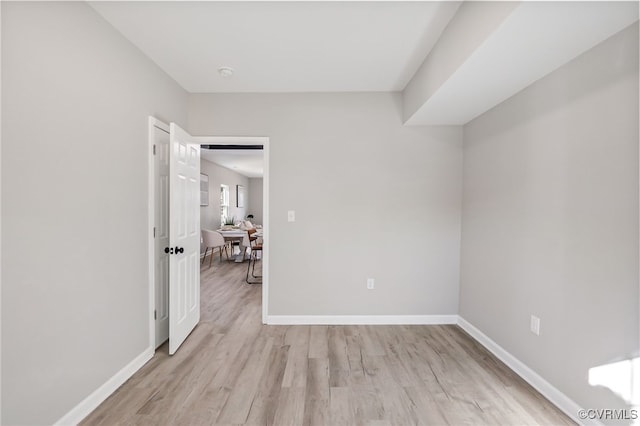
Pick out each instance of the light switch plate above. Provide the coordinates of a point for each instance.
(291, 216)
(535, 325)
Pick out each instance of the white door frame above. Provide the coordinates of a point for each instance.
(205, 140)
(151, 219)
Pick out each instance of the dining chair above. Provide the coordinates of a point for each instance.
(213, 240)
(252, 264)
(252, 238)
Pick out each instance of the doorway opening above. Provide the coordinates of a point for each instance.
(159, 195)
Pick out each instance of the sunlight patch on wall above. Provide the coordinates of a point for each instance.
(622, 378)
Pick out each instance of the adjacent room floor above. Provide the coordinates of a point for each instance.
(234, 370)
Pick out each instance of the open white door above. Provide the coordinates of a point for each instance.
(184, 236)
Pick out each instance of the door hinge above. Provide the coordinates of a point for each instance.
(155, 314)
(154, 232)
(154, 149)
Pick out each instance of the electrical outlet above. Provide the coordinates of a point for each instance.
(535, 325)
(370, 283)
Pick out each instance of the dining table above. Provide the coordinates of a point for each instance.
(242, 237)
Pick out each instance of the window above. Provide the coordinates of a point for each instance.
(224, 204)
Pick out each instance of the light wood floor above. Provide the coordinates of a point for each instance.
(233, 370)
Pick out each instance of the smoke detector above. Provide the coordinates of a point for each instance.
(225, 72)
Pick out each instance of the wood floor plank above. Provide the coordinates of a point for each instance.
(295, 375)
(340, 411)
(318, 396)
(338, 359)
(318, 347)
(366, 403)
(236, 409)
(264, 404)
(233, 370)
(371, 343)
(357, 373)
(290, 407)
(426, 410)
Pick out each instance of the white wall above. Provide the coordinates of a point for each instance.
(218, 175)
(372, 199)
(255, 199)
(75, 101)
(550, 220)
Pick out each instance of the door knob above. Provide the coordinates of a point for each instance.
(177, 250)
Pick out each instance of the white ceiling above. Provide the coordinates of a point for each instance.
(351, 46)
(283, 46)
(248, 163)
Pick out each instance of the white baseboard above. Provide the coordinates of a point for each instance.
(557, 398)
(90, 403)
(361, 319)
